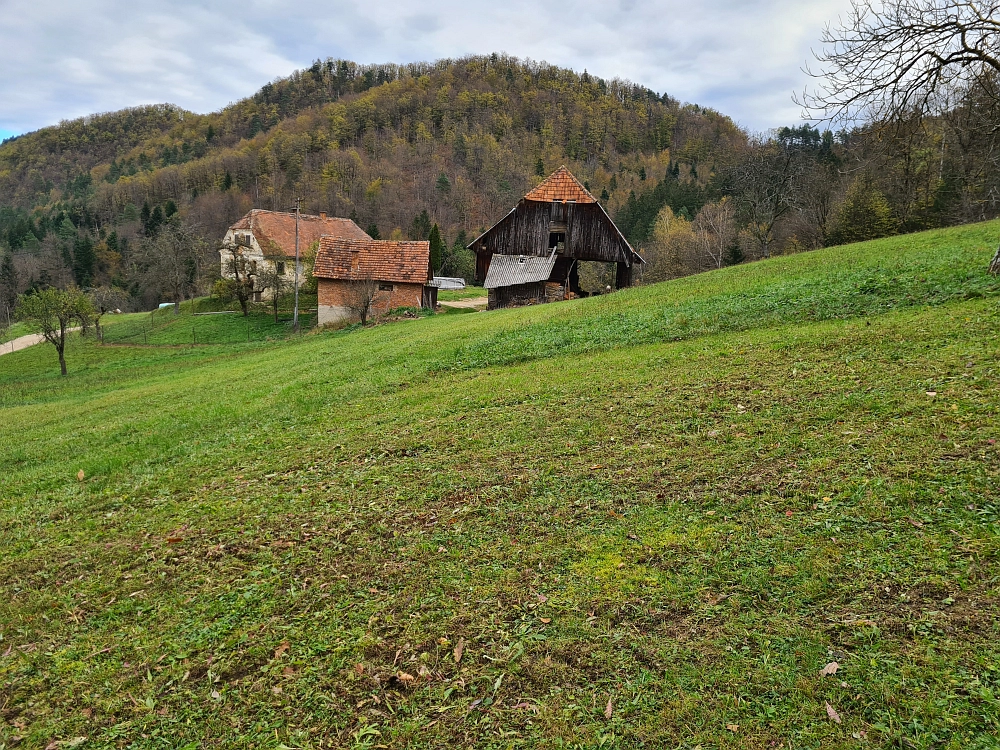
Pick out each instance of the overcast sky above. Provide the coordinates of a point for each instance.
(60, 59)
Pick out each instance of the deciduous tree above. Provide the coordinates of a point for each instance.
(53, 311)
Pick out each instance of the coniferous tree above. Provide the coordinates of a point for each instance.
(373, 232)
(437, 246)
(421, 227)
(84, 260)
(540, 167)
(8, 285)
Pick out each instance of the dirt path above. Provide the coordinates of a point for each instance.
(470, 302)
(23, 342)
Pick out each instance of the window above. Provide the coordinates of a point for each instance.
(253, 267)
(281, 268)
(385, 287)
(256, 296)
(557, 240)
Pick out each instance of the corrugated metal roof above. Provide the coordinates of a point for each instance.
(508, 270)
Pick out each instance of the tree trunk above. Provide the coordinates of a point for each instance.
(995, 263)
(61, 347)
(177, 306)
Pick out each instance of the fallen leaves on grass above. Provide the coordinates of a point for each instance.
(459, 650)
(285, 645)
(80, 475)
(733, 727)
(609, 709)
(829, 669)
(832, 713)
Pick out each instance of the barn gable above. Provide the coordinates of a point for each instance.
(559, 217)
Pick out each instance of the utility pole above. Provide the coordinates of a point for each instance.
(295, 315)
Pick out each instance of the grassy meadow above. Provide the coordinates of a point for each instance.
(646, 519)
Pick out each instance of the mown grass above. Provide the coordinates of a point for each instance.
(271, 539)
(452, 295)
(164, 328)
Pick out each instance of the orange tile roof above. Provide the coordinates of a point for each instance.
(276, 229)
(561, 185)
(380, 260)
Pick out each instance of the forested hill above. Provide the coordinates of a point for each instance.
(459, 139)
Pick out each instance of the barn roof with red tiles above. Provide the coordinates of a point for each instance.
(379, 260)
(561, 185)
(276, 229)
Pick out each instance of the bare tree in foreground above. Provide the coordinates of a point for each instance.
(362, 297)
(891, 59)
(894, 60)
(54, 310)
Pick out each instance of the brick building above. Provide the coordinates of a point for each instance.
(395, 274)
(267, 239)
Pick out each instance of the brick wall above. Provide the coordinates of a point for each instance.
(334, 299)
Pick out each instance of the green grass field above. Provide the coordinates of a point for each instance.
(646, 519)
(452, 295)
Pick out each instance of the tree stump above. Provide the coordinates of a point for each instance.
(995, 263)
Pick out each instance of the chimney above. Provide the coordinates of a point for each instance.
(322, 214)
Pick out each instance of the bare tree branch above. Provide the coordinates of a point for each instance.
(892, 59)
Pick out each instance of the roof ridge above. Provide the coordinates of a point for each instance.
(561, 185)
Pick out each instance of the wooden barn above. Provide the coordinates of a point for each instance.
(533, 254)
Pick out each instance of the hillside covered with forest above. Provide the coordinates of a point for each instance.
(106, 200)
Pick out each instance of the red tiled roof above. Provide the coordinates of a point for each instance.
(276, 229)
(380, 260)
(561, 185)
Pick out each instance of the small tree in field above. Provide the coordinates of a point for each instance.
(362, 297)
(240, 283)
(54, 310)
(271, 276)
(104, 299)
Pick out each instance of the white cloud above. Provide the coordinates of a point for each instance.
(63, 59)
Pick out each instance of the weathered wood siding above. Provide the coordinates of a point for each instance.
(590, 233)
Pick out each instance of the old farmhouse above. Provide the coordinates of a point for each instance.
(390, 274)
(533, 253)
(266, 239)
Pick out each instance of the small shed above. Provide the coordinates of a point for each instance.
(557, 226)
(395, 274)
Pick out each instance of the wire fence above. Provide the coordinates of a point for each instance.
(164, 327)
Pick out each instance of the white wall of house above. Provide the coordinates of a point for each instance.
(247, 243)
